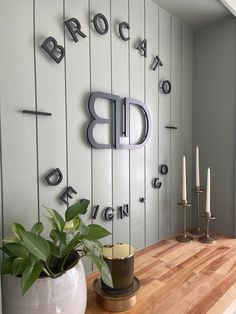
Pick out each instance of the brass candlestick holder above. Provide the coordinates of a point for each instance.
(206, 237)
(197, 230)
(184, 237)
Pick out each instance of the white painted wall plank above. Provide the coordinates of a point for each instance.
(101, 81)
(120, 86)
(77, 91)
(18, 131)
(50, 98)
(164, 120)
(187, 77)
(137, 183)
(176, 147)
(152, 103)
(17, 92)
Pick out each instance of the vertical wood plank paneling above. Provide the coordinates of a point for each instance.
(17, 90)
(137, 213)
(164, 120)
(152, 103)
(176, 150)
(109, 178)
(101, 81)
(77, 92)
(50, 79)
(18, 131)
(120, 86)
(187, 77)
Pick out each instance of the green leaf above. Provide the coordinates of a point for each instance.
(19, 265)
(103, 269)
(37, 245)
(60, 236)
(83, 228)
(16, 249)
(88, 245)
(17, 229)
(96, 232)
(76, 209)
(54, 249)
(92, 247)
(11, 239)
(69, 226)
(71, 245)
(76, 222)
(52, 222)
(98, 245)
(53, 236)
(30, 275)
(58, 220)
(6, 251)
(37, 228)
(6, 266)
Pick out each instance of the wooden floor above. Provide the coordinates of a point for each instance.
(179, 278)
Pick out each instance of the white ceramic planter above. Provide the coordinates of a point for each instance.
(64, 295)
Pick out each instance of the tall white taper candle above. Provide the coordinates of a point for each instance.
(208, 191)
(184, 185)
(197, 168)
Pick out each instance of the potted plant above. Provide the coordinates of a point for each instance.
(47, 275)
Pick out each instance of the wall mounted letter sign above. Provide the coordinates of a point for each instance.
(115, 121)
(98, 120)
(97, 24)
(124, 211)
(121, 28)
(74, 28)
(157, 63)
(108, 214)
(142, 47)
(67, 194)
(57, 175)
(166, 87)
(95, 212)
(147, 121)
(156, 184)
(163, 169)
(55, 51)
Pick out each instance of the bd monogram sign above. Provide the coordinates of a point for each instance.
(119, 111)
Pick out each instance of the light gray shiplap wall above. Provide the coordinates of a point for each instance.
(187, 76)
(101, 81)
(164, 120)
(51, 131)
(214, 116)
(31, 146)
(120, 175)
(152, 147)
(175, 120)
(77, 73)
(137, 157)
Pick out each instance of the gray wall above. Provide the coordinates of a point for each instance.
(214, 115)
(31, 147)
